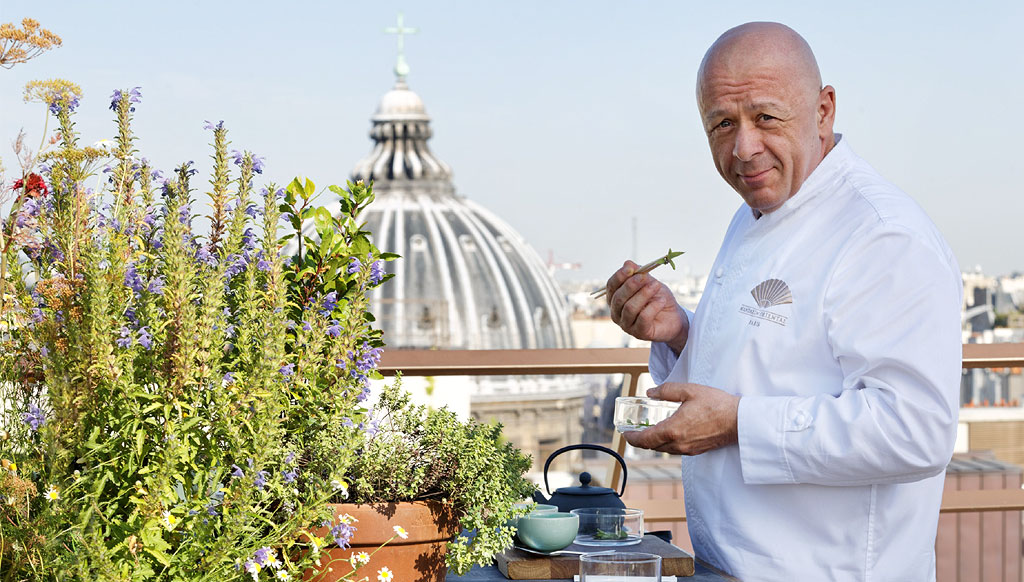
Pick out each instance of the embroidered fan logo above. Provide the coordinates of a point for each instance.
(768, 294)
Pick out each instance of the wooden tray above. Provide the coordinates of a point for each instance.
(519, 565)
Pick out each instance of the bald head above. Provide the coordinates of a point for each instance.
(766, 114)
(762, 45)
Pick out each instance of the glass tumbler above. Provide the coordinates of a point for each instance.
(620, 567)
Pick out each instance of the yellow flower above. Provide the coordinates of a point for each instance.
(282, 575)
(385, 574)
(400, 532)
(51, 91)
(169, 520)
(52, 494)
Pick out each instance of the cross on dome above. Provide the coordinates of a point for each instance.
(401, 67)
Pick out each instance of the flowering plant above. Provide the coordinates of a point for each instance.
(174, 405)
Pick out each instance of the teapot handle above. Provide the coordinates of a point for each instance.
(590, 447)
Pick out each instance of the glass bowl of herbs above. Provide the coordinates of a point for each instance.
(609, 526)
(634, 413)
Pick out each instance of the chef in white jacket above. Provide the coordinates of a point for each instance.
(819, 375)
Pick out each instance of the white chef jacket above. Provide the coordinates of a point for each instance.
(836, 318)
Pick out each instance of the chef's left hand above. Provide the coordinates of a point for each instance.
(706, 420)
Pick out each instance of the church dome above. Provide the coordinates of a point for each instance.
(401, 104)
(466, 279)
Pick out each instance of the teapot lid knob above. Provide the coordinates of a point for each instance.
(585, 479)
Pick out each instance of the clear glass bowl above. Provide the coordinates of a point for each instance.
(609, 526)
(637, 413)
(620, 567)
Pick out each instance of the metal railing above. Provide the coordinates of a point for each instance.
(633, 363)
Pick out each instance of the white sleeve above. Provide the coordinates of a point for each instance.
(892, 311)
(662, 358)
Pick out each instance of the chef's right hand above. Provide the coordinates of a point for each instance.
(645, 308)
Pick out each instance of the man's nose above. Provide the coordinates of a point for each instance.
(748, 143)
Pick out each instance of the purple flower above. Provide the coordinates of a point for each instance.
(204, 256)
(133, 96)
(251, 210)
(305, 325)
(125, 340)
(376, 272)
(342, 534)
(261, 479)
(287, 369)
(354, 266)
(261, 555)
(229, 378)
(347, 422)
(263, 265)
(145, 339)
(156, 285)
(330, 302)
(211, 509)
(239, 156)
(133, 280)
(334, 330)
(34, 418)
(237, 473)
(257, 164)
(44, 351)
(249, 239)
(290, 458)
(290, 476)
(37, 315)
(219, 125)
(236, 264)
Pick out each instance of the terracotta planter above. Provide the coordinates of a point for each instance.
(419, 558)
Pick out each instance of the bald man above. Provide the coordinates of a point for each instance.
(819, 375)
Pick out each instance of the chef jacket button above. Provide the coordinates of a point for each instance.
(719, 273)
(800, 420)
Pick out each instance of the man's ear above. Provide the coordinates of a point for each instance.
(826, 110)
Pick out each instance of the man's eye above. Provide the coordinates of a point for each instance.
(766, 117)
(725, 123)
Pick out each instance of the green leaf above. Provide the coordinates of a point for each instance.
(292, 191)
(308, 190)
(323, 220)
(325, 241)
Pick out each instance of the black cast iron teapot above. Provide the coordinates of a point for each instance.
(585, 495)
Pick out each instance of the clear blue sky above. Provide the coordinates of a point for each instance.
(566, 118)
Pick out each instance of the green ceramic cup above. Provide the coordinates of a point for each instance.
(548, 531)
